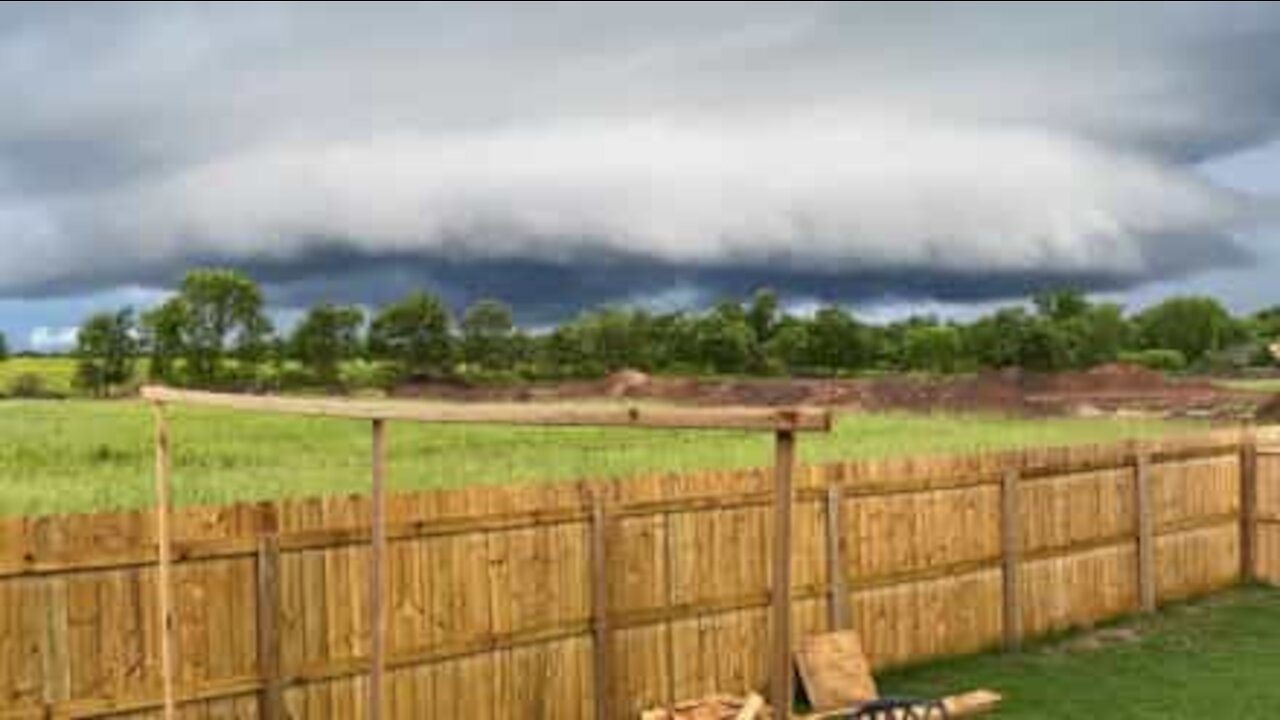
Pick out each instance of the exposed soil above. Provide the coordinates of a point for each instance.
(1107, 389)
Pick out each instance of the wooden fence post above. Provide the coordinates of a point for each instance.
(164, 551)
(378, 545)
(268, 591)
(780, 688)
(1248, 507)
(1011, 560)
(1147, 600)
(600, 607)
(839, 601)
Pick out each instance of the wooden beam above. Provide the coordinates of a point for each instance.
(164, 542)
(1147, 599)
(838, 603)
(377, 550)
(781, 676)
(1011, 560)
(1248, 506)
(271, 698)
(600, 607)
(739, 418)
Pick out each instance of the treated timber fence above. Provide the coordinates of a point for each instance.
(527, 602)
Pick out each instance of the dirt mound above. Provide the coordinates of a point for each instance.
(1112, 377)
(1269, 411)
(625, 383)
(1107, 389)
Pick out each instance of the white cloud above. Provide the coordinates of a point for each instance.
(820, 138)
(52, 339)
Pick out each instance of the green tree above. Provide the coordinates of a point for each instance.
(612, 339)
(163, 332)
(725, 340)
(1098, 335)
(1046, 347)
(563, 353)
(998, 340)
(933, 348)
(488, 335)
(4, 348)
(328, 335)
(788, 348)
(1060, 304)
(224, 314)
(414, 334)
(106, 346)
(836, 341)
(1194, 326)
(763, 314)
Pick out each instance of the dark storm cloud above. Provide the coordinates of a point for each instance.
(565, 155)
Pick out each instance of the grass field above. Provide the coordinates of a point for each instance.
(1256, 385)
(56, 373)
(80, 455)
(1214, 658)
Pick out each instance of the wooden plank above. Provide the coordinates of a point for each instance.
(1146, 537)
(974, 702)
(271, 698)
(735, 418)
(164, 539)
(600, 607)
(835, 671)
(1011, 561)
(838, 602)
(378, 549)
(795, 419)
(1248, 508)
(780, 676)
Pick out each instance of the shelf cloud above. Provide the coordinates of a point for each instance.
(569, 154)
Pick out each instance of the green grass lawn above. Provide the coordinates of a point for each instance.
(1214, 658)
(80, 455)
(1254, 384)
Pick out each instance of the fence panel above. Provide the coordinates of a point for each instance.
(489, 590)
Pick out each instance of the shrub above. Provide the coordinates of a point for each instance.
(29, 385)
(1156, 359)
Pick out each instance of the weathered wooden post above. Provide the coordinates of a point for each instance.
(780, 688)
(271, 699)
(838, 609)
(1147, 599)
(1248, 506)
(164, 547)
(377, 549)
(1011, 555)
(600, 607)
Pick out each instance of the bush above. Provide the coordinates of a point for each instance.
(29, 385)
(1156, 359)
(368, 375)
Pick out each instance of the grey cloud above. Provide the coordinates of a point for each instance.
(568, 154)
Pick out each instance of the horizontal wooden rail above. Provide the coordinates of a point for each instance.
(329, 538)
(601, 415)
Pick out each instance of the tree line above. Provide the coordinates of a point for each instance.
(214, 332)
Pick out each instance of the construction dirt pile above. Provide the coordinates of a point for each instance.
(1106, 389)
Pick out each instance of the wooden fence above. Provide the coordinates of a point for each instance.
(525, 602)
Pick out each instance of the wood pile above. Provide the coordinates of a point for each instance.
(715, 707)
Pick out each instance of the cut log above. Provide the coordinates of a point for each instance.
(971, 703)
(751, 709)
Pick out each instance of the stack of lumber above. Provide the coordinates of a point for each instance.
(715, 707)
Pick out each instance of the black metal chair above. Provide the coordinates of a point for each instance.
(899, 709)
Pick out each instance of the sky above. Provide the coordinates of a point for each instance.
(895, 157)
